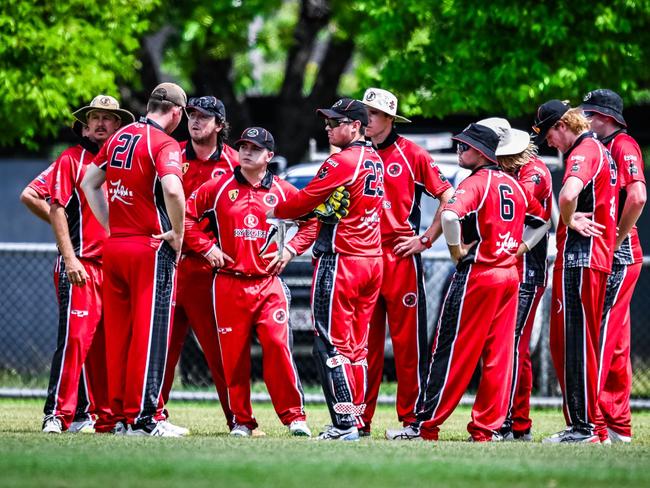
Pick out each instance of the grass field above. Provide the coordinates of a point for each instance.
(210, 457)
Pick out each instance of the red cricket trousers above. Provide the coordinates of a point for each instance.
(576, 314)
(194, 309)
(139, 288)
(477, 323)
(615, 374)
(402, 306)
(260, 305)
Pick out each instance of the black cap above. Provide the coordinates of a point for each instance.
(258, 136)
(208, 105)
(346, 108)
(547, 116)
(481, 138)
(605, 102)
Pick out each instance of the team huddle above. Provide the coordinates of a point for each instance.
(157, 237)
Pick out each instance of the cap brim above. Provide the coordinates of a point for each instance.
(239, 142)
(607, 112)
(479, 146)
(401, 120)
(329, 114)
(124, 115)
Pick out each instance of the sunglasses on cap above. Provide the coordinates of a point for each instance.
(202, 102)
(462, 147)
(334, 123)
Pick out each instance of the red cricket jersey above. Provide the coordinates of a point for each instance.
(359, 168)
(41, 184)
(493, 209)
(592, 163)
(535, 178)
(629, 162)
(409, 171)
(237, 215)
(135, 158)
(86, 233)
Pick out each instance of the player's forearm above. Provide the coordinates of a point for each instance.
(634, 203)
(91, 185)
(35, 204)
(195, 238)
(435, 229)
(174, 202)
(532, 235)
(61, 231)
(567, 208)
(304, 238)
(299, 204)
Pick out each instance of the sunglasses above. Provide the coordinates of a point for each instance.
(462, 147)
(589, 114)
(334, 123)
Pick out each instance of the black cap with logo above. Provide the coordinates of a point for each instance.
(547, 116)
(346, 108)
(605, 102)
(208, 105)
(258, 136)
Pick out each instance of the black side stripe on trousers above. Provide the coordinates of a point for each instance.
(58, 359)
(614, 286)
(423, 336)
(445, 340)
(165, 270)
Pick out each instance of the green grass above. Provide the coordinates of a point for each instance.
(211, 458)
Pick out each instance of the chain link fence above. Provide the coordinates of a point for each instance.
(28, 325)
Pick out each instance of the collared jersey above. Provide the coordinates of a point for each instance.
(41, 184)
(409, 171)
(592, 163)
(135, 159)
(629, 163)
(359, 168)
(493, 208)
(86, 233)
(535, 178)
(237, 211)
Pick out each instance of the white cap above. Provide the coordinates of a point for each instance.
(511, 141)
(384, 101)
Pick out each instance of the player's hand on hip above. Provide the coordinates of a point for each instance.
(217, 258)
(173, 238)
(279, 261)
(583, 224)
(75, 271)
(407, 246)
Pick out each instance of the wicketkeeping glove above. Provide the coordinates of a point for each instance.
(335, 207)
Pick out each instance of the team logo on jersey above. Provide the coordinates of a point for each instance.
(251, 221)
(452, 200)
(252, 133)
(118, 192)
(322, 173)
(185, 167)
(394, 169)
(506, 244)
(79, 313)
(218, 172)
(280, 316)
(575, 167)
(233, 194)
(270, 199)
(410, 299)
(536, 179)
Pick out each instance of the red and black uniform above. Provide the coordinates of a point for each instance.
(615, 375)
(80, 307)
(42, 183)
(139, 271)
(409, 172)
(194, 283)
(246, 298)
(532, 267)
(492, 208)
(348, 274)
(579, 282)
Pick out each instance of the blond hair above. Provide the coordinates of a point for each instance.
(512, 162)
(575, 120)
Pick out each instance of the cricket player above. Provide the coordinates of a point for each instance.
(142, 165)
(483, 224)
(409, 172)
(586, 238)
(248, 295)
(80, 240)
(204, 157)
(604, 109)
(348, 259)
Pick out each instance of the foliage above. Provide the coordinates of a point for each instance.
(58, 55)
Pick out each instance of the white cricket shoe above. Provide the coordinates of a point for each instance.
(52, 425)
(616, 437)
(86, 426)
(181, 431)
(299, 428)
(151, 429)
(571, 436)
(241, 431)
(119, 429)
(335, 434)
(408, 433)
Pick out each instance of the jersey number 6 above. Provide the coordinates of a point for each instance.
(506, 204)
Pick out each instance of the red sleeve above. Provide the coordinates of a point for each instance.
(580, 162)
(428, 175)
(307, 231)
(467, 196)
(537, 182)
(41, 184)
(629, 161)
(168, 159)
(333, 173)
(63, 179)
(198, 205)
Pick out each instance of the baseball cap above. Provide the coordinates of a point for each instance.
(605, 102)
(208, 105)
(346, 108)
(106, 103)
(547, 116)
(170, 92)
(481, 138)
(258, 136)
(384, 101)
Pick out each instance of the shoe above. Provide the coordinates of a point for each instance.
(571, 435)
(364, 433)
(119, 429)
(615, 437)
(52, 425)
(521, 435)
(85, 426)
(151, 429)
(335, 434)
(299, 428)
(240, 431)
(507, 434)
(408, 433)
(496, 437)
(181, 431)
